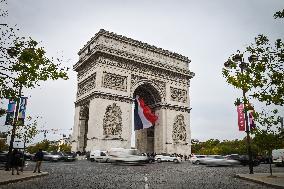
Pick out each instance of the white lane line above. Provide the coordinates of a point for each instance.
(146, 184)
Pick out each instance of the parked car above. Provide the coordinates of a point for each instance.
(243, 159)
(278, 157)
(48, 157)
(99, 156)
(197, 159)
(69, 156)
(126, 156)
(218, 160)
(160, 158)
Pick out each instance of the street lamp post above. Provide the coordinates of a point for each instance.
(238, 59)
(243, 66)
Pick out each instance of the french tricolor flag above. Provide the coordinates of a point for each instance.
(143, 117)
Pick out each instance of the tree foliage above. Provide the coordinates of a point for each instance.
(28, 131)
(263, 75)
(259, 144)
(48, 146)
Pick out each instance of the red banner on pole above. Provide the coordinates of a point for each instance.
(241, 118)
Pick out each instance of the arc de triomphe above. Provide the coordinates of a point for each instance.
(112, 70)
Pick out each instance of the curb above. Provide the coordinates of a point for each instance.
(23, 178)
(259, 182)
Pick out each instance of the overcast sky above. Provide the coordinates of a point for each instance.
(206, 31)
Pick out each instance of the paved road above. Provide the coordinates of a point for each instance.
(85, 174)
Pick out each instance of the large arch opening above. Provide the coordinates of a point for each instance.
(145, 138)
(83, 128)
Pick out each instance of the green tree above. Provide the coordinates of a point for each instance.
(28, 131)
(65, 148)
(260, 78)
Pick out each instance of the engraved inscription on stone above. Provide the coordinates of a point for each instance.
(114, 81)
(86, 85)
(179, 130)
(179, 95)
(112, 122)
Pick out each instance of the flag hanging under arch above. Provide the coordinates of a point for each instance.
(143, 116)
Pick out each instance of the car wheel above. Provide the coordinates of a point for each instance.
(107, 160)
(159, 160)
(197, 162)
(92, 160)
(175, 161)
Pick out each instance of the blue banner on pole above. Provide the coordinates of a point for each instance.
(10, 112)
(22, 111)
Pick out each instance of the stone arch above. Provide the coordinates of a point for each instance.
(112, 122)
(179, 130)
(146, 88)
(145, 138)
(83, 127)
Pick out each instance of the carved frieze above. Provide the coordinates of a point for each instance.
(145, 69)
(179, 130)
(114, 81)
(112, 122)
(86, 85)
(86, 69)
(179, 95)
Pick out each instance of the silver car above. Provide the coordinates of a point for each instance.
(218, 160)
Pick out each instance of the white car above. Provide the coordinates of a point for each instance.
(161, 158)
(99, 156)
(197, 159)
(126, 156)
(278, 157)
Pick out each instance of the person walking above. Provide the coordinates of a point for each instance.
(15, 161)
(38, 158)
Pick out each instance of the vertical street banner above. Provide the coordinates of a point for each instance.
(10, 112)
(22, 111)
(251, 118)
(251, 121)
(241, 117)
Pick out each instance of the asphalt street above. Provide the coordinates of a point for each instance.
(86, 174)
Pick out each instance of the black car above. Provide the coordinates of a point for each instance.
(243, 159)
(69, 156)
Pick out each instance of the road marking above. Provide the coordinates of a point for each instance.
(146, 184)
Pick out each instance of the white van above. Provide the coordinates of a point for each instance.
(99, 156)
(278, 157)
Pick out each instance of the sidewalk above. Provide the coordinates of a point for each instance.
(7, 177)
(276, 181)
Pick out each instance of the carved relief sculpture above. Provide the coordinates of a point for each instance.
(179, 130)
(114, 81)
(112, 122)
(179, 95)
(86, 85)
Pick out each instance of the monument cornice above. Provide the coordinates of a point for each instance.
(136, 43)
(103, 95)
(133, 57)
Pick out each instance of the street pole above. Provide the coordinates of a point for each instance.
(247, 125)
(14, 125)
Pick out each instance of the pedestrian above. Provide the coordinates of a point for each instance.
(38, 158)
(15, 161)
